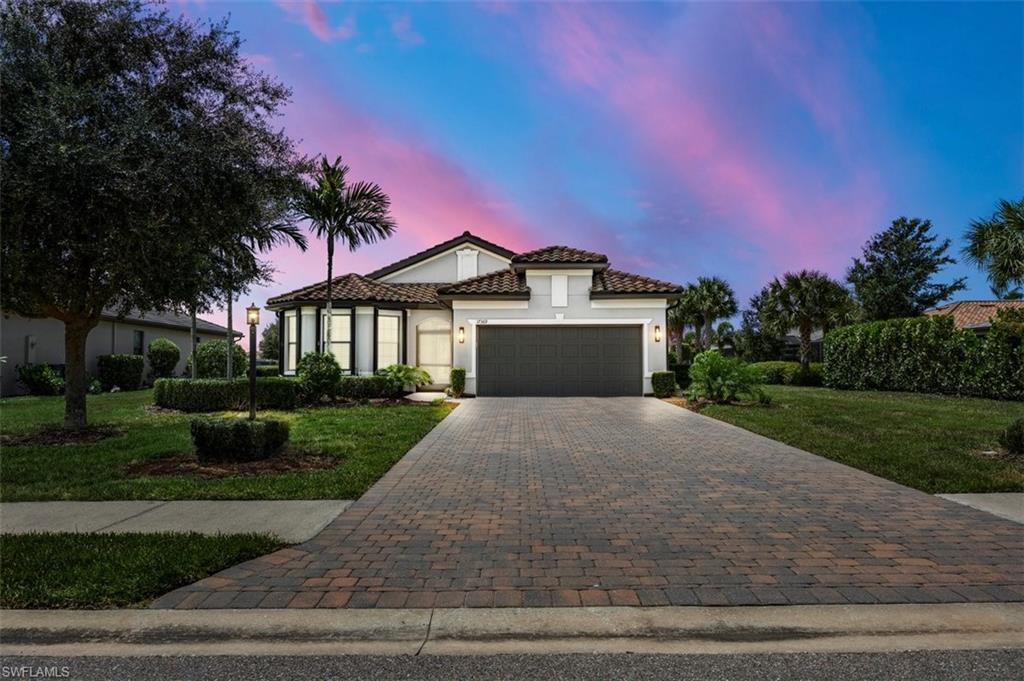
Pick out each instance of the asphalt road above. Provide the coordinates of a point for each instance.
(993, 665)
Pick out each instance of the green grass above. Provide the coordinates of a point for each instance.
(928, 442)
(367, 440)
(70, 570)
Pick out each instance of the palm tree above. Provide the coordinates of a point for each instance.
(714, 298)
(355, 214)
(804, 301)
(997, 245)
(684, 314)
(1006, 293)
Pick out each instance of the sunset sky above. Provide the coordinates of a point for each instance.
(738, 140)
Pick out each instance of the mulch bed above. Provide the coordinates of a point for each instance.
(1003, 455)
(188, 464)
(60, 436)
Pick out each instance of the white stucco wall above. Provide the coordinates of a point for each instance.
(364, 340)
(580, 308)
(106, 339)
(444, 268)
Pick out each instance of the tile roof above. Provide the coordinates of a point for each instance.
(559, 255)
(968, 314)
(500, 283)
(171, 320)
(355, 287)
(614, 282)
(465, 237)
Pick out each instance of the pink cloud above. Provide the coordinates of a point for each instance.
(664, 108)
(401, 28)
(315, 18)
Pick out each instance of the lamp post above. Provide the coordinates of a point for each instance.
(252, 316)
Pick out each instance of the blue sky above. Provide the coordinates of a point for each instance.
(738, 140)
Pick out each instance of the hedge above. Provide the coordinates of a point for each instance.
(364, 387)
(163, 357)
(267, 370)
(40, 379)
(220, 394)
(211, 358)
(928, 355)
(788, 373)
(123, 372)
(457, 377)
(237, 439)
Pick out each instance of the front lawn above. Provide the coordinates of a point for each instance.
(366, 440)
(70, 570)
(929, 442)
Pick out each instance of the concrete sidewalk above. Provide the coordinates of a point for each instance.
(291, 521)
(678, 630)
(1009, 505)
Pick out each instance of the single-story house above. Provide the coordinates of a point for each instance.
(976, 315)
(25, 340)
(553, 321)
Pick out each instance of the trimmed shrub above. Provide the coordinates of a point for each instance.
(718, 378)
(663, 383)
(220, 394)
(789, 373)
(1013, 437)
(237, 439)
(123, 372)
(266, 370)
(458, 381)
(40, 379)
(318, 374)
(402, 375)
(928, 355)
(364, 387)
(211, 360)
(163, 356)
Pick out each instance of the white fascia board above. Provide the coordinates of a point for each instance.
(453, 249)
(490, 304)
(547, 321)
(617, 303)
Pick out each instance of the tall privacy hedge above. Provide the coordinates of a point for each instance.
(220, 394)
(928, 355)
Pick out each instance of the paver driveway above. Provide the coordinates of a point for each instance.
(625, 501)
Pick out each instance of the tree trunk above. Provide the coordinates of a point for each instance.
(231, 338)
(709, 322)
(330, 275)
(75, 334)
(698, 335)
(805, 347)
(192, 339)
(679, 344)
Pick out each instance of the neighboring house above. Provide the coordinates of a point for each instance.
(791, 345)
(41, 341)
(554, 321)
(976, 315)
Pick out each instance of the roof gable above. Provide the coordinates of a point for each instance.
(439, 249)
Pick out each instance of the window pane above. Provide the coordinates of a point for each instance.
(387, 341)
(342, 354)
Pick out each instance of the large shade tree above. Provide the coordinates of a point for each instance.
(996, 245)
(894, 277)
(136, 148)
(804, 301)
(354, 213)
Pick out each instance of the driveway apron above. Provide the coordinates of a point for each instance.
(625, 501)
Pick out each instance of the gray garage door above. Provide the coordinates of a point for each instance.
(559, 361)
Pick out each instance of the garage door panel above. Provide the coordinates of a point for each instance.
(559, 360)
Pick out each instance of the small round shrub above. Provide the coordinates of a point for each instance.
(663, 383)
(40, 379)
(211, 360)
(319, 376)
(457, 378)
(718, 378)
(1013, 437)
(163, 356)
(237, 439)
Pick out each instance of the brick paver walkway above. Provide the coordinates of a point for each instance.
(625, 501)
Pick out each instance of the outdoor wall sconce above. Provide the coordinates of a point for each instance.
(462, 334)
(657, 333)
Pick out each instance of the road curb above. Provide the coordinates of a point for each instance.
(766, 629)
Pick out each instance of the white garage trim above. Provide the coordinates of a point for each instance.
(490, 304)
(608, 303)
(504, 321)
